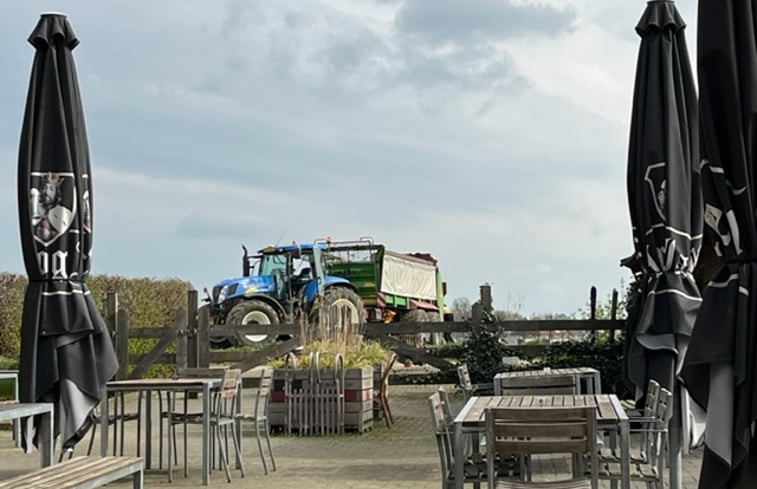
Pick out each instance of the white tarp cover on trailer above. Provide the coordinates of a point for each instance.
(407, 276)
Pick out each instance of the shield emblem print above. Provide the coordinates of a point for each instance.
(52, 204)
(656, 179)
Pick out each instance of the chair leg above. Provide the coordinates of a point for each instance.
(224, 459)
(92, 438)
(388, 410)
(260, 446)
(237, 449)
(268, 442)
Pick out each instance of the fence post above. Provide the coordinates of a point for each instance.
(485, 293)
(192, 328)
(180, 323)
(203, 340)
(122, 343)
(593, 311)
(111, 312)
(613, 312)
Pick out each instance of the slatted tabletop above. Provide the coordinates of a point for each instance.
(16, 411)
(610, 415)
(589, 374)
(609, 412)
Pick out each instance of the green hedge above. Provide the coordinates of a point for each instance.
(147, 302)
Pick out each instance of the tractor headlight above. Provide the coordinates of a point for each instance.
(222, 294)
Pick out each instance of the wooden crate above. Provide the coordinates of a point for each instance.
(358, 396)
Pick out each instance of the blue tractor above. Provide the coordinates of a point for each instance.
(285, 284)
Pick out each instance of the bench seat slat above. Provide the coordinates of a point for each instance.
(80, 472)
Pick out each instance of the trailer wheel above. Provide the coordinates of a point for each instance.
(252, 312)
(415, 316)
(341, 313)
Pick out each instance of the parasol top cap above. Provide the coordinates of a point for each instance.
(45, 14)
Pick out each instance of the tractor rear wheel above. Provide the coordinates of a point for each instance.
(252, 312)
(340, 314)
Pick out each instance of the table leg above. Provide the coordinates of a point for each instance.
(625, 455)
(148, 430)
(46, 438)
(16, 422)
(613, 435)
(104, 410)
(459, 456)
(205, 434)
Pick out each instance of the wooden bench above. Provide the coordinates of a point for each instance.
(80, 473)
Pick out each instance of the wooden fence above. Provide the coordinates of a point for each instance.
(191, 332)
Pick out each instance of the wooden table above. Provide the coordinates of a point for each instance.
(16, 411)
(610, 416)
(186, 385)
(582, 374)
(13, 375)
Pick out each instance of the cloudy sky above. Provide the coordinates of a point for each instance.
(491, 133)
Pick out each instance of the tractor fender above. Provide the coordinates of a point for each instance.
(311, 289)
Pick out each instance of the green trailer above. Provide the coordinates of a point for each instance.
(393, 286)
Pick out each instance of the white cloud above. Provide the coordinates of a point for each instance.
(216, 123)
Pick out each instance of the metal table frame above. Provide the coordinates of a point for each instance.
(610, 416)
(186, 385)
(13, 375)
(16, 411)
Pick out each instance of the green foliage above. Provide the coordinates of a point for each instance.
(146, 301)
(12, 288)
(366, 354)
(8, 363)
(605, 357)
(483, 353)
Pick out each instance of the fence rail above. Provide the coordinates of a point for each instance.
(191, 331)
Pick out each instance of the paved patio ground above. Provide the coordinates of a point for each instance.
(403, 456)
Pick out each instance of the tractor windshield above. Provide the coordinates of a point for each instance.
(272, 264)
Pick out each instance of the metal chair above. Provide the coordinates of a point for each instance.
(526, 431)
(648, 466)
(473, 472)
(223, 418)
(117, 419)
(259, 415)
(643, 419)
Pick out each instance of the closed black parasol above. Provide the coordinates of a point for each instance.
(664, 196)
(66, 352)
(720, 364)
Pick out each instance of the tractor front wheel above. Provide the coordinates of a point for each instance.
(252, 312)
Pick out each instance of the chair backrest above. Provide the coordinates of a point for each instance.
(539, 430)
(442, 433)
(464, 382)
(263, 392)
(538, 385)
(446, 407)
(384, 385)
(653, 393)
(649, 415)
(662, 416)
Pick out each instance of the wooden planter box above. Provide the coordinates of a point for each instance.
(358, 396)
